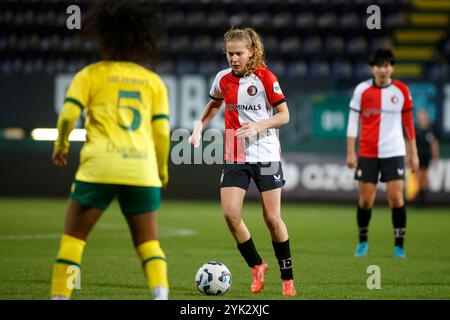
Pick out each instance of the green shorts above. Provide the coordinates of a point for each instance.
(132, 199)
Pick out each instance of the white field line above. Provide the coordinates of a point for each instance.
(30, 236)
(164, 232)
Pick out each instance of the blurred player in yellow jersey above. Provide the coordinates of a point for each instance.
(127, 143)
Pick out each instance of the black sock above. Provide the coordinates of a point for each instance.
(399, 222)
(363, 217)
(248, 251)
(283, 254)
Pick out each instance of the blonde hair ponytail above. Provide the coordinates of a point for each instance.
(253, 43)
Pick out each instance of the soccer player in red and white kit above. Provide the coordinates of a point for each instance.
(387, 140)
(254, 107)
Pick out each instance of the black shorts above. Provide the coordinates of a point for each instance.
(424, 162)
(267, 176)
(386, 169)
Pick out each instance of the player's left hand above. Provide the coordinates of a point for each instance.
(59, 159)
(248, 129)
(413, 162)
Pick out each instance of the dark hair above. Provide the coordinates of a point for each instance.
(126, 30)
(382, 56)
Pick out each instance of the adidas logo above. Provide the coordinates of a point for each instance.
(277, 177)
(400, 171)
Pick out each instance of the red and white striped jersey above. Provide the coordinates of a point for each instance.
(386, 119)
(249, 99)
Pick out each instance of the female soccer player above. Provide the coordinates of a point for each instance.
(127, 142)
(384, 107)
(254, 107)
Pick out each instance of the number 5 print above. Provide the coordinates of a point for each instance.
(133, 101)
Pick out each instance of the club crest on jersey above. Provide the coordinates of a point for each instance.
(252, 90)
(276, 88)
(394, 99)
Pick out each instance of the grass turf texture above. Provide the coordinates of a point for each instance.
(323, 238)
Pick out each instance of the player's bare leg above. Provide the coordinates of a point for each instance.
(367, 193)
(395, 194)
(271, 204)
(144, 230)
(232, 199)
(78, 224)
(80, 219)
(143, 227)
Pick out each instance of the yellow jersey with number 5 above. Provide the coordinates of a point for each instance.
(123, 102)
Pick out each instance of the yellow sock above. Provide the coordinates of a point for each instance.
(66, 268)
(154, 264)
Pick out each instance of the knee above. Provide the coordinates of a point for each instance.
(396, 200)
(365, 204)
(272, 221)
(231, 215)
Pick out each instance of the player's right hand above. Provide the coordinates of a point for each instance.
(351, 160)
(196, 135)
(59, 159)
(164, 179)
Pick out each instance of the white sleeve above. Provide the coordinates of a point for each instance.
(353, 123)
(355, 109)
(215, 92)
(355, 103)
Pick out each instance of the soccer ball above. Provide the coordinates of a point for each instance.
(213, 279)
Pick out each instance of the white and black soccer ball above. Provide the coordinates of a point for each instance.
(213, 279)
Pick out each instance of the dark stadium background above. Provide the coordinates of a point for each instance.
(317, 48)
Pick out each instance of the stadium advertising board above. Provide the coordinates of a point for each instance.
(327, 178)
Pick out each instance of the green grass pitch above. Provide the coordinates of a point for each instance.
(323, 238)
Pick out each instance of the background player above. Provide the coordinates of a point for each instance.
(127, 145)
(428, 150)
(384, 107)
(254, 107)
